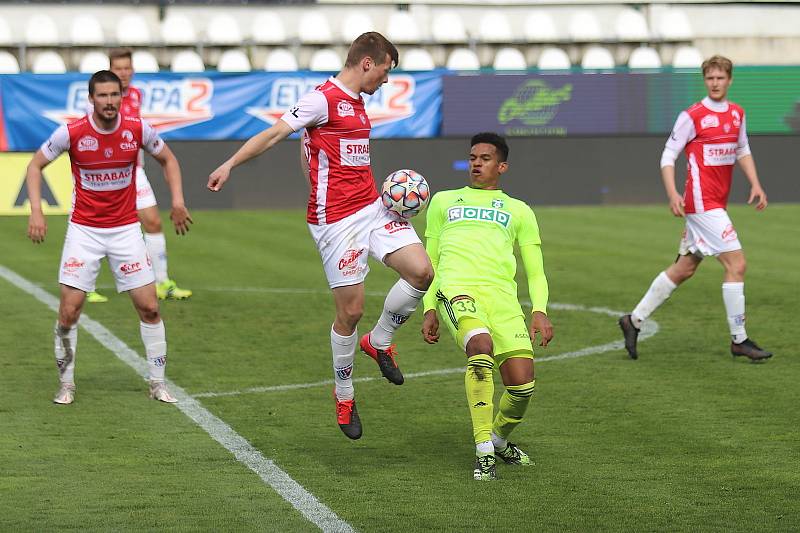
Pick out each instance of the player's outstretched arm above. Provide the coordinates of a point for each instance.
(255, 146)
(172, 174)
(748, 165)
(37, 225)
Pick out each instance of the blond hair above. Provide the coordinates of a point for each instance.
(720, 62)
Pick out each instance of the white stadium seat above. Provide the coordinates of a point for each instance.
(463, 59)
(687, 57)
(313, 28)
(223, 29)
(509, 59)
(280, 60)
(553, 59)
(597, 57)
(494, 28)
(644, 57)
(673, 24)
(448, 27)
(41, 30)
(6, 38)
(178, 29)
(354, 24)
(93, 61)
(416, 59)
(144, 61)
(233, 61)
(584, 26)
(402, 28)
(187, 61)
(48, 62)
(85, 30)
(132, 28)
(325, 60)
(8, 63)
(631, 25)
(540, 27)
(268, 28)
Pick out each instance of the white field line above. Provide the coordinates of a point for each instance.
(291, 491)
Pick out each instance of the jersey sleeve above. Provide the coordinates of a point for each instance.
(151, 140)
(682, 132)
(433, 217)
(57, 143)
(743, 145)
(310, 111)
(528, 228)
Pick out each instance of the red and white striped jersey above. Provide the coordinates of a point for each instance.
(337, 149)
(103, 167)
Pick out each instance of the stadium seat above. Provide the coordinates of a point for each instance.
(463, 59)
(280, 60)
(325, 60)
(494, 28)
(86, 30)
(268, 28)
(687, 57)
(597, 57)
(178, 29)
(553, 59)
(41, 30)
(584, 27)
(233, 61)
(631, 25)
(223, 29)
(187, 61)
(416, 59)
(144, 61)
(354, 24)
(8, 63)
(402, 28)
(6, 38)
(673, 24)
(509, 59)
(93, 61)
(133, 29)
(448, 28)
(644, 57)
(540, 27)
(48, 62)
(313, 28)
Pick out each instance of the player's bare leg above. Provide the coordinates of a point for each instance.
(349, 301)
(154, 339)
(156, 245)
(66, 341)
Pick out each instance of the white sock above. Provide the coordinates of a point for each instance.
(483, 448)
(154, 338)
(66, 343)
(156, 246)
(499, 442)
(344, 351)
(733, 296)
(657, 294)
(401, 301)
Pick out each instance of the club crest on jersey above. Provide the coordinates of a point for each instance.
(709, 121)
(737, 119)
(108, 152)
(87, 143)
(345, 109)
(497, 203)
(363, 118)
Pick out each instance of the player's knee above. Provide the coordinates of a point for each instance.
(480, 344)
(69, 314)
(149, 313)
(351, 314)
(422, 278)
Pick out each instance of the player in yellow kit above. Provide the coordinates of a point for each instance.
(470, 239)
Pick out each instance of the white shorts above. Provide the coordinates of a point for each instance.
(709, 233)
(346, 244)
(85, 247)
(144, 193)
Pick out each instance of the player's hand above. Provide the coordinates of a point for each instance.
(37, 227)
(181, 219)
(676, 205)
(541, 324)
(430, 327)
(758, 192)
(218, 178)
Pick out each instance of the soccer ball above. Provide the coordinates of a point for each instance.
(405, 193)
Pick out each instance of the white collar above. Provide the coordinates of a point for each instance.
(344, 89)
(719, 107)
(102, 131)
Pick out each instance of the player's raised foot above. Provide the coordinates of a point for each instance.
(158, 391)
(169, 290)
(96, 298)
(485, 468)
(631, 334)
(512, 455)
(385, 359)
(751, 350)
(347, 418)
(65, 394)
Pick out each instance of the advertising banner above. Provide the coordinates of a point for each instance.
(56, 185)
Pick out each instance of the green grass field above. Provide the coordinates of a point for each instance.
(684, 439)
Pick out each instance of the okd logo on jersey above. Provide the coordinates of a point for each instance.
(481, 214)
(106, 179)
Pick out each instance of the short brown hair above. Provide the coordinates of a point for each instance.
(120, 53)
(373, 45)
(720, 62)
(103, 76)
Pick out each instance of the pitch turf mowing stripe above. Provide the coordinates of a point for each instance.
(302, 500)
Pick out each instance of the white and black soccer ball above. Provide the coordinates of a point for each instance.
(405, 192)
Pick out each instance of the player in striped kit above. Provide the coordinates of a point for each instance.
(713, 135)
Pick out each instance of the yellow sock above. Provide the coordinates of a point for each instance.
(513, 403)
(480, 390)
